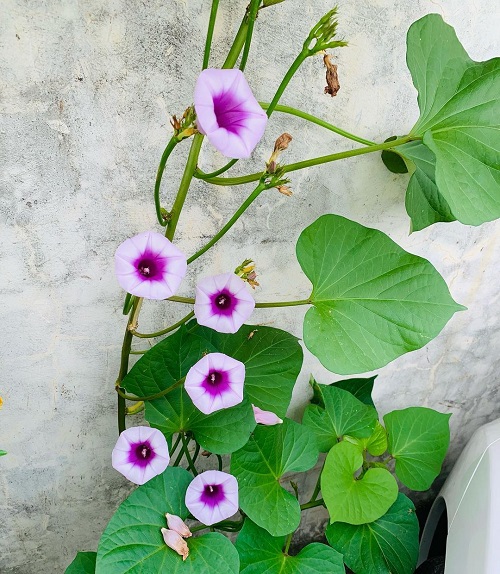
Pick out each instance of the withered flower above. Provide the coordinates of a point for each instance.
(332, 78)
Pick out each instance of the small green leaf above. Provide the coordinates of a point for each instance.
(418, 440)
(84, 563)
(355, 500)
(260, 552)
(261, 463)
(342, 414)
(3, 452)
(424, 204)
(459, 102)
(361, 388)
(372, 301)
(387, 546)
(393, 160)
(132, 541)
(272, 358)
(375, 444)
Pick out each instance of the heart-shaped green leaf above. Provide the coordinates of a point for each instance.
(355, 500)
(342, 414)
(260, 552)
(375, 444)
(132, 542)
(272, 358)
(418, 440)
(261, 463)
(221, 432)
(387, 546)
(372, 301)
(459, 102)
(424, 204)
(84, 563)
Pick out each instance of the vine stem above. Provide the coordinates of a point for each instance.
(151, 397)
(163, 331)
(317, 121)
(210, 33)
(226, 181)
(303, 54)
(126, 347)
(312, 504)
(252, 15)
(287, 543)
(185, 448)
(244, 206)
(159, 174)
(190, 301)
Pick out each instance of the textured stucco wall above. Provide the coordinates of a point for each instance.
(86, 89)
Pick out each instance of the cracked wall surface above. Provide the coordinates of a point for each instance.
(86, 89)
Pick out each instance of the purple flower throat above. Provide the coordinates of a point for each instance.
(142, 454)
(217, 382)
(213, 494)
(223, 303)
(149, 266)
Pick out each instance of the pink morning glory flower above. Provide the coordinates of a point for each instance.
(140, 454)
(148, 265)
(215, 382)
(228, 113)
(265, 417)
(223, 302)
(212, 496)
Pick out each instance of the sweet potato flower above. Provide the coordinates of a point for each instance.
(212, 496)
(215, 382)
(228, 113)
(148, 265)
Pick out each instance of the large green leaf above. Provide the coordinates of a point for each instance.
(84, 563)
(132, 542)
(261, 463)
(459, 102)
(355, 500)
(418, 440)
(272, 358)
(261, 553)
(387, 546)
(342, 414)
(372, 301)
(424, 204)
(221, 432)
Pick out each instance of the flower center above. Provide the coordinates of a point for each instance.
(147, 268)
(223, 301)
(143, 451)
(212, 490)
(214, 378)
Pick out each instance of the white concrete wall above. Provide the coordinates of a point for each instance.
(86, 89)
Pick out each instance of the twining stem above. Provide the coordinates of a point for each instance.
(315, 161)
(252, 15)
(190, 301)
(180, 455)
(317, 121)
(287, 544)
(219, 460)
(303, 54)
(159, 174)
(210, 33)
(151, 397)
(226, 525)
(185, 448)
(184, 186)
(312, 504)
(176, 444)
(244, 206)
(126, 346)
(163, 331)
(135, 409)
(317, 488)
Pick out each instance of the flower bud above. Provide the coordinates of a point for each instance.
(178, 525)
(265, 417)
(174, 541)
